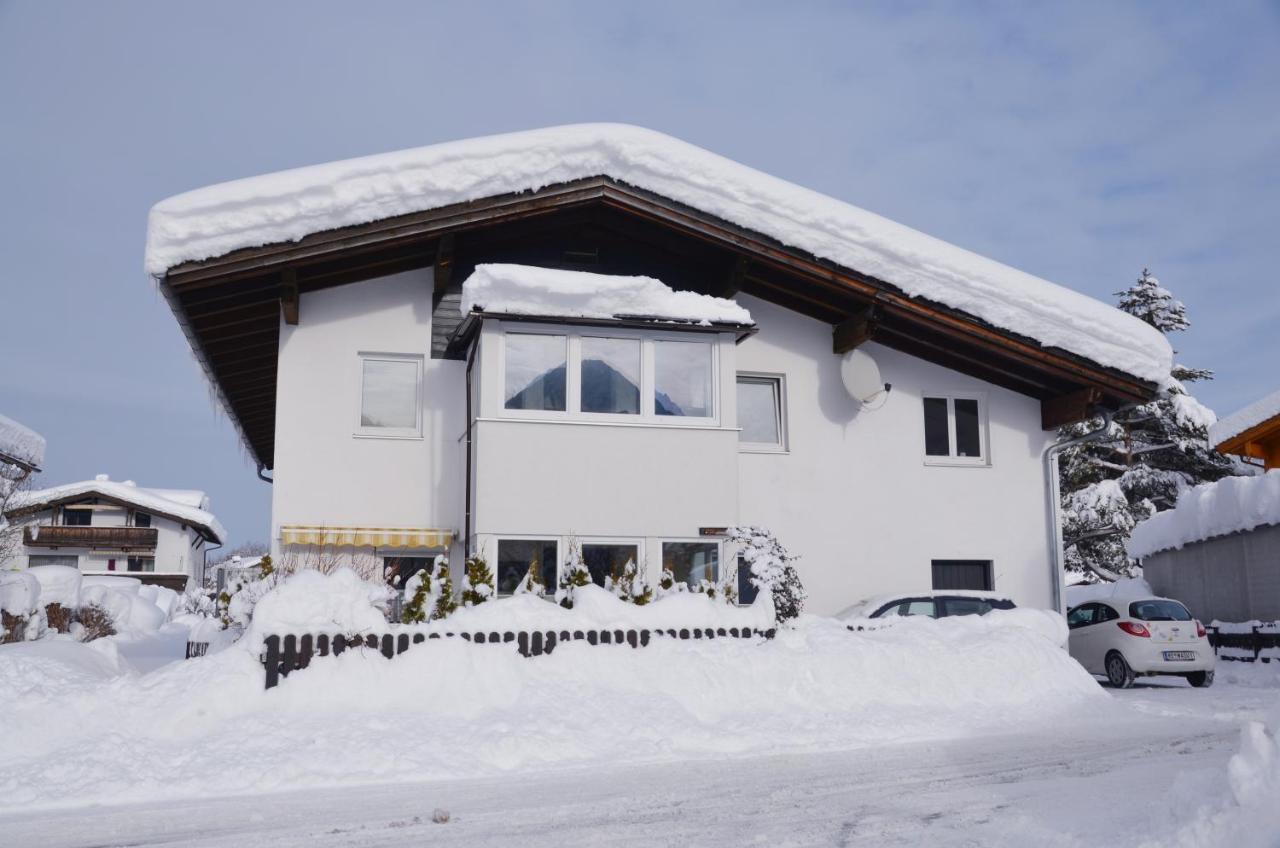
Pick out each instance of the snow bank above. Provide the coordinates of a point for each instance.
(19, 593)
(312, 602)
(449, 709)
(21, 443)
(526, 290)
(1231, 505)
(1130, 588)
(59, 584)
(1245, 419)
(289, 205)
(148, 500)
(132, 612)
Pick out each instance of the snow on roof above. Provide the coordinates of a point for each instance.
(526, 290)
(21, 443)
(150, 500)
(1231, 505)
(289, 205)
(1246, 419)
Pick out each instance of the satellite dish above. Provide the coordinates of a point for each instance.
(861, 376)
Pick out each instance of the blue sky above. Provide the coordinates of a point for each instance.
(1080, 142)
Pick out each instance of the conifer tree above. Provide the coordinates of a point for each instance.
(1149, 454)
(772, 570)
(418, 588)
(442, 590)
(574, 574)
(531, 583)
(477, 582)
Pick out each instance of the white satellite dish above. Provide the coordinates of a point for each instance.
(861, 376)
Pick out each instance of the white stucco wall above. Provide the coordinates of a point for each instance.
(326, 474)
(854, 497)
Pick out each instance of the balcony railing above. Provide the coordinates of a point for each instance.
(103, 538)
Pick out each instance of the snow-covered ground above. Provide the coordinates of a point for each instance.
(928, 734)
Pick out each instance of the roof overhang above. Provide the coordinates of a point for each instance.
(462, 337)
(230, 306)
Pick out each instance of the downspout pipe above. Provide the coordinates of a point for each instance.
(1053, 496)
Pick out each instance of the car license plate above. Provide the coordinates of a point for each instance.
(1180, 655)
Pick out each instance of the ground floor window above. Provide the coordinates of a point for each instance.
(692, 562)
(973, 574)
(53, 559)
(608, 559)
(142, 563)
(396, 570)
(746, 589)
(516, 555)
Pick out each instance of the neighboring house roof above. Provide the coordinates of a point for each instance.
(1231, 505)
(185, 506)
(228, 257)
(1238, 423)
(20, 445)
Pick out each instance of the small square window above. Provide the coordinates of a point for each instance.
(760, 412)
(954, 430)
(515, 556)
(141, 519)
(692, 562)
(72, 517)
(967, 574)
(390, 395)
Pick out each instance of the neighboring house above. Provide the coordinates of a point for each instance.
(104, 527)
(1253, 433)
(1218, 549)
(410, 404)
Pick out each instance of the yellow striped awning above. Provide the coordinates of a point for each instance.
(364, 537)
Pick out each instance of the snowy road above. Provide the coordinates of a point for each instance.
(1116, 783)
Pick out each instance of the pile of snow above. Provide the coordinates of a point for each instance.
(59, 584)
(1245, 419)
(526, 290)
(312, 602)
(132, 606)
(289, 205)
(173, 502)
(1128, 589)
(1231, 505)
(19, 593)
(1046, 624)
(449, 709)
(21, 443)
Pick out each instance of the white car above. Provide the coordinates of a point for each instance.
(940, 603)
(1124, 638)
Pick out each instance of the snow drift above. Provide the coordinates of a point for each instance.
(289, 205)
(451, 709)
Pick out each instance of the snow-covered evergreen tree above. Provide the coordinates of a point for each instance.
(1149, 454)
(531, 583)
(574, 574)
(630, 586)
(477, 582)
(771, 569)
(442, 591)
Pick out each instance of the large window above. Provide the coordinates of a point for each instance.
(954, 430)
(962, 574)
(535, 371)
(141, 563)
(72, 517)
(611, 375)
(516, 556)
(682, 379)
(760, 412)
(608, 559)
(396, 570)
(53, 559)
(390, 395)
(692, 562)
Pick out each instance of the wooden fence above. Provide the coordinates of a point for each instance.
(1258, 640)
(285, 654)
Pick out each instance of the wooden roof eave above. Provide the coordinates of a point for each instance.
(1238, 444)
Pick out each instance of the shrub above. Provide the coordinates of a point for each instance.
(442, 589)
(772, 570)
(477, 582)
(574, 574)
(96, 621)
(630, 586)
(531, 583)
(418, 589)
(13, 628)
(59, 617)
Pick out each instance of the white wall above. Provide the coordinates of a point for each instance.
(324, 473)
(854, 497)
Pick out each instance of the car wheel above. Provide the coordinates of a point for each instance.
(1200, 679)
(1118, 671)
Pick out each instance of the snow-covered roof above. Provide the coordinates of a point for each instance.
(290, 205)
(156, 501)
(20, 443)
(1246, 419)
(526, 290)
(1230, 505)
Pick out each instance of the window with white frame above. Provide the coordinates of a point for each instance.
(390, 395)
(608, 559)
(517, 556)
(692, 562)
(760, 418)
(955, 429)
(614, 374)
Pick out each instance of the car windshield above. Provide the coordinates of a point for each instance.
(1158, 610)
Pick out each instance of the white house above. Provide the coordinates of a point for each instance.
(105, 527)
(452, 348)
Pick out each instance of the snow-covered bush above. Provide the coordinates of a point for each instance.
(772, 571)
(417, 589)
(477, 582)
(629, 584)
(531, 583)
(573, 576)
(22, 617)
(312, 602)
(442, 591)
(236, 603)
(95, 623)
